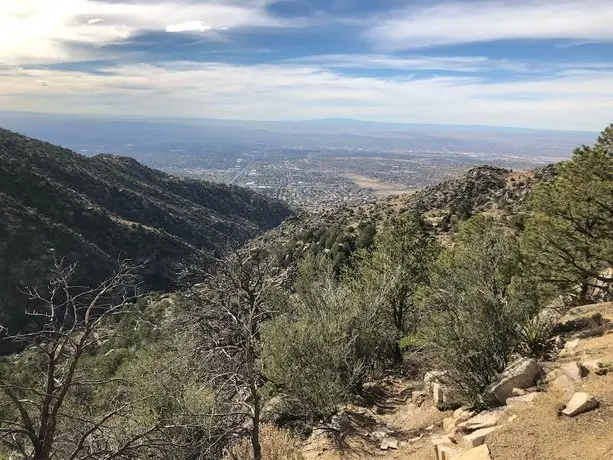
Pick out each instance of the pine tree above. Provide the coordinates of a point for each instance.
(569, 238)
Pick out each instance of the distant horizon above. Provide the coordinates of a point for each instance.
(330, 120)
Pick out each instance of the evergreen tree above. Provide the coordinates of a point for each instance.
(569, 238)
(397, 268)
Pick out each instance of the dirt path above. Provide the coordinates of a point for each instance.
(392, 414)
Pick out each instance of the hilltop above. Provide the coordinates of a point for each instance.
(341, 231)
(55, 203)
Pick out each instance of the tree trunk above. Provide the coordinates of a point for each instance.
(255, 430)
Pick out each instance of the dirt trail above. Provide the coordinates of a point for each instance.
(392, 413)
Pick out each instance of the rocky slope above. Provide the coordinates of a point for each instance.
(341, 231)
(56, 203)
(564, 411)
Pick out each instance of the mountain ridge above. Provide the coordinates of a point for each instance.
(58, 203)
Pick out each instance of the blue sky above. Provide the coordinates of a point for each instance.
(528, 63)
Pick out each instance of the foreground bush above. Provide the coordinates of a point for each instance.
(471, 330)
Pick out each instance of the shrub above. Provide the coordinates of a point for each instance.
(534, 337)
(277, 444)
(470, 326)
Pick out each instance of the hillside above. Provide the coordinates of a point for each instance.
(444, 206)
(56, 203)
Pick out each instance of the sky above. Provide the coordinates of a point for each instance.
(524, 63)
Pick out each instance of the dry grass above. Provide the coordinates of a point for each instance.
(277, 444)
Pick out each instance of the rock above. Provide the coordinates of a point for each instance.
(477, 438)
(277, 410)
(431, 378)
(389, 443)
(571, 345)
(564, 385)
(573, 370)
(419, 397)
(523, 373)
(478, 453)
(485, 419)
(378, 435)
(596, 366)
(525, 400)
(447, 451)
(518, 392)
(449, 424)
(445, 397)
(579, 403)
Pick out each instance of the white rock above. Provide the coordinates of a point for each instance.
(477, 438)
(485, 419)
(389, 443)
(571, 345)
(525, 400)
(478, 453)
(573, 370)
(523, 373)
(579, 403)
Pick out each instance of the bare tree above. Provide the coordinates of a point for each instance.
(233, 304)
(38, 421)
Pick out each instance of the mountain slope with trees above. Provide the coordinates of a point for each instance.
(226, 368)
(55, 203)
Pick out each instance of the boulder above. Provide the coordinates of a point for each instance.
(277, 410)
(523, 373)
(478, 453)
(445, 397)
(579, 403)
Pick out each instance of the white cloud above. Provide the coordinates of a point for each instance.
(481, 21)
(568, 100)
(189, 26)
(44, 31)
(381, 61)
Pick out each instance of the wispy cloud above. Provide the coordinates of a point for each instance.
(44, 31)
(416, 62)
(458, 22)
(567, 100)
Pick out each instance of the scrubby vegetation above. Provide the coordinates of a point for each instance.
(207, 372)
(55, 203)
